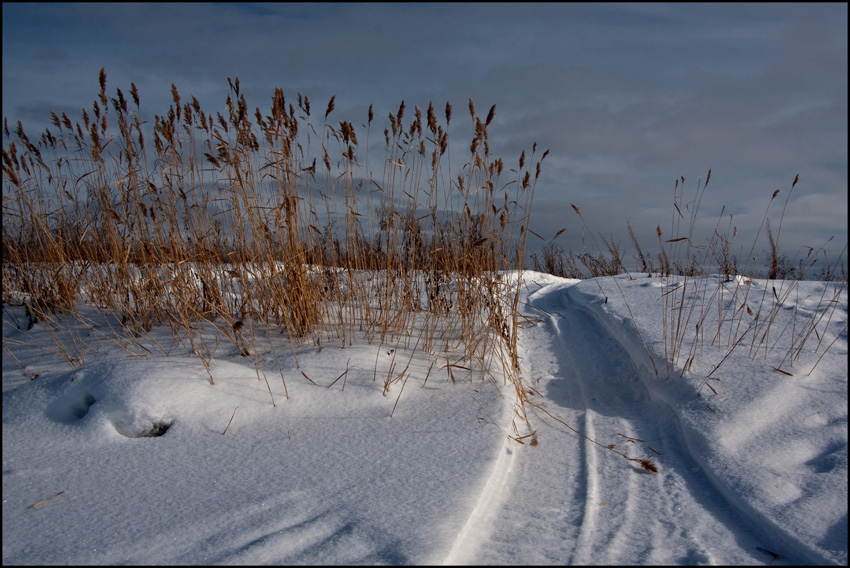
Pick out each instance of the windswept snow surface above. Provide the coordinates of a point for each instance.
(752, 461)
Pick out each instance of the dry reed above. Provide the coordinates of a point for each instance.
(252, 224)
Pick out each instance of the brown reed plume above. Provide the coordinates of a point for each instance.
(235, 226)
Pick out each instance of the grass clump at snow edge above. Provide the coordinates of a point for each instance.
(236, 227)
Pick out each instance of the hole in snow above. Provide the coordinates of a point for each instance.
(153, 429)
(71, 408)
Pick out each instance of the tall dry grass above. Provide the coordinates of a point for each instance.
(263, 223)
(725, 313)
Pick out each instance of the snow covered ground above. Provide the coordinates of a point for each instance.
(140, 460)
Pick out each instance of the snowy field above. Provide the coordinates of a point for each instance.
(135, 458)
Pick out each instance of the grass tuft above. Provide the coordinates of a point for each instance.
(233, 227)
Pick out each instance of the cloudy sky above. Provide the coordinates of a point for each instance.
(627, 97)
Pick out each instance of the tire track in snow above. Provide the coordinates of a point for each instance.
(618, 514)
(592, 500)
(486, 508)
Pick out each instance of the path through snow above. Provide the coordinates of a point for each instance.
(588, 505)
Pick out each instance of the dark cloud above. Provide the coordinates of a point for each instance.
(627, 97)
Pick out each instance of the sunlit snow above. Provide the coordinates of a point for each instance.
(135, 458)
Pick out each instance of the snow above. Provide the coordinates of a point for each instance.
(751, 461)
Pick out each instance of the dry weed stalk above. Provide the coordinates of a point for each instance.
(205, 222)
(692, 303)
